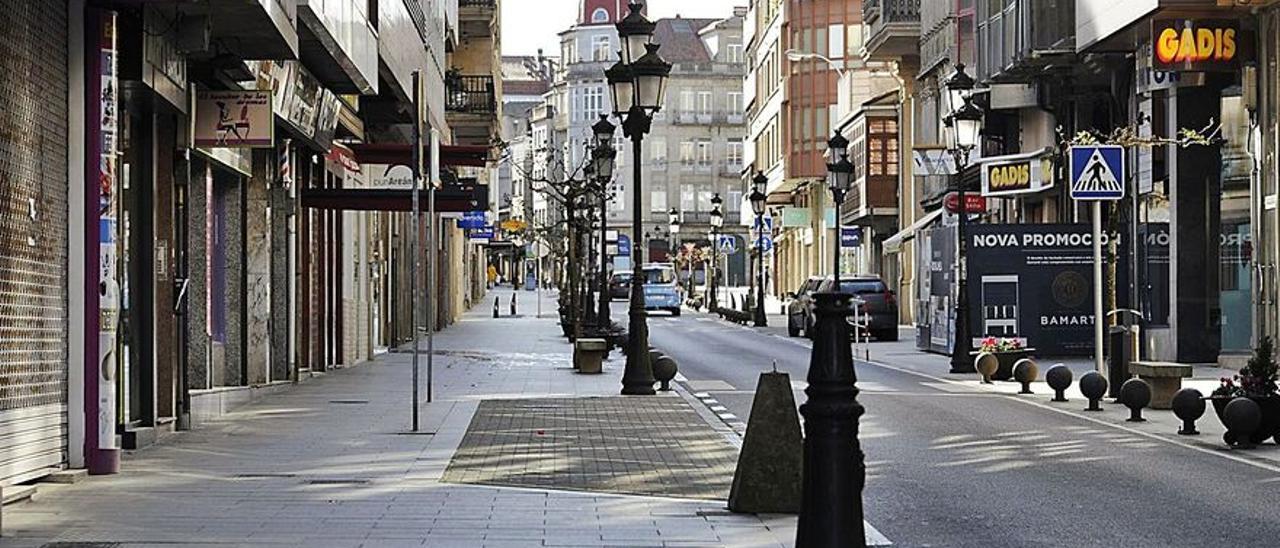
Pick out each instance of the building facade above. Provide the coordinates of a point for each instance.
(199, 230)
(792, 110)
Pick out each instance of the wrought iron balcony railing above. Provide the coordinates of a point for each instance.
(470, 94)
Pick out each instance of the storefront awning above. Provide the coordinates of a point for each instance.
(397, 154)
(448, 200)
(894, 243)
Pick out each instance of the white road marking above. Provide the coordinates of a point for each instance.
(728, 416)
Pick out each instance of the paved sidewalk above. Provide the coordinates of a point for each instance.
(330, 463)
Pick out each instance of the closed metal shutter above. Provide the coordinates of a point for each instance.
(33, 238)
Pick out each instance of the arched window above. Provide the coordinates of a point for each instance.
(601, 15)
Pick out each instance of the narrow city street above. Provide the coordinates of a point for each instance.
(952, 464)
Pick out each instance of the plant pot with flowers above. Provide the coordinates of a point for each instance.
(1257, 382)
(1007, 350)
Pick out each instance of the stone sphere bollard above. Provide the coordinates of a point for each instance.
(1135, 394)
(1242, 417)
(654, 354)
(1094, 386)
(1059, 379)
(1025, 372)
(664, 369)
(986, 363)
(1188, 405)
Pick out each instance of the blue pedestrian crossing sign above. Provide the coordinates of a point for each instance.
(728, 244)
(1097, 172)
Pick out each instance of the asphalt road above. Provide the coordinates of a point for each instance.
(956, 466)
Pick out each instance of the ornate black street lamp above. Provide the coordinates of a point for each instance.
(717, 221)
(638, 86)
(604, 157)
(834, 469)
(758, 199)
(965, 122)
(839, 180)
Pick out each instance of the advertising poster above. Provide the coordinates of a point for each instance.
(1033, 282)
(236, 119)
(108, 204)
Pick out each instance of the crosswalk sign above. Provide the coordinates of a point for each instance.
(1097, 172)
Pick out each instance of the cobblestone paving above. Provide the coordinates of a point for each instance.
(642, 446)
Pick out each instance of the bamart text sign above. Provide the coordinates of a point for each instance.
(1195, 44)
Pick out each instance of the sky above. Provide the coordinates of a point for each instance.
(531, 24)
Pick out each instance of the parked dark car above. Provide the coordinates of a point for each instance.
(800, 307)
(620, 285)
(879, 304)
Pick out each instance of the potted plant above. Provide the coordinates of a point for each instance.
(1258, 382)
(1008, 350)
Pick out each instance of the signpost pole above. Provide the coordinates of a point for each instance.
(433, 226)
(413, 235)
(1098, 313)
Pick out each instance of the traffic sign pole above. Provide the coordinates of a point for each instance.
(1098, 313)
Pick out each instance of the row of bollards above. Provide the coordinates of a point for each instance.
(1249, 421)
(1242, 416)
(496, 305)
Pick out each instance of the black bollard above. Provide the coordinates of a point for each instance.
(1059, 379)
(495, 307)
(513, 304)
(1025, 371)
(1188, 405)
(664, 369)
(834, 470)
(1135, 394)
(1094, 386)
(1242, 417)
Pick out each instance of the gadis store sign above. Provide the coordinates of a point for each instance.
(1196, 44)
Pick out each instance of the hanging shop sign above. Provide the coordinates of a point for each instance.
(473, 220)
(1023, 174)
(1195, 44)
(796, 217)
(850, 236)
(974, 203)
(233, 119)
(388, 177)
(299, 101)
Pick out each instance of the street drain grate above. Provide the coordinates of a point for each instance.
(338, 481)
(265, 475)
(349, 402)
(82, 545)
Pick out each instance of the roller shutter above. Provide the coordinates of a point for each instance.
(33, 238)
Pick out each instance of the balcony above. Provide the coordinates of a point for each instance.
(338, 45)
(477, 18)
(471, 108)
(249, 29)
(470, 94)
(1018, 38)
(893, 28)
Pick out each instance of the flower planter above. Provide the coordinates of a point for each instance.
(1007, 359)
(1269, 427)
